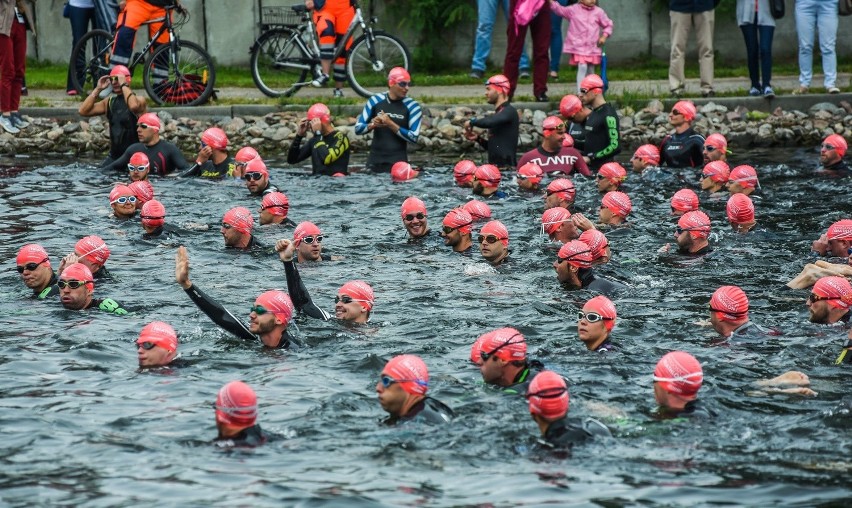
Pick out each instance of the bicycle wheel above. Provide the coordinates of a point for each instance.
(184, 77)
(368, 71)
(279, 65)
(90, 60)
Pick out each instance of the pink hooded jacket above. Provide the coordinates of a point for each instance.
(584, 28)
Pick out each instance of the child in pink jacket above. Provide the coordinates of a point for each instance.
(588, 29)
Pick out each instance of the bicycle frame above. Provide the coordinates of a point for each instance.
(166, 27)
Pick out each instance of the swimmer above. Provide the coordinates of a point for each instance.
(573, 267)
(615, 207)
(692, 232)
(677, 379)
(402, 389)
(551, 155)
(478, 210)
(157, 345)
(560, 192)
(684, 200)
(36, 273)
(236, 416)
(595, 323)
(413, 213)
(529, 176)
(610, 177)
(646, 156)
(138, 167)
(274, 208)
(457, 230)
(257, 178)
(463, 173)
(715, 148)
(76, 290)
(403, 172)
(504, 360)
(244, 155)
(328, 149)
(268, 317)
(599, 245)
(91, 251)
(715, 176)
(557, 224)
(829, 301)
(740, 210)
(684, 148)
(307, 239)
(123, 202)
(144, 192)
(602, 129)
(237, 224)
(166, 157)
(486, 180)
(213, 161)
(502, 141)
(836, 242)
(729, 308)
(154, 222)
(742, 180)
(572, 110)
(831, 152)
(494, 242)
(548, 400)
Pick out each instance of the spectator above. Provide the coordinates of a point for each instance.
(684, 14)
(758, 27)
(13, 53)
(486, 14)
(82, 14)
(516, 32)
(556, 41)
(588, 30)
(821, 14)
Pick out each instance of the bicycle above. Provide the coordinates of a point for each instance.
(174, 73)
(288, 49)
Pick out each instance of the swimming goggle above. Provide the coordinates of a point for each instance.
(591, 317)
(73, 284)
(124, 199)
(346, 299)
(411, 216)
(254, 175)
(387, 381)
(489, 239)
(310, 239)
(147, 346)
(143, 167)
(30, 266)
(259, 310)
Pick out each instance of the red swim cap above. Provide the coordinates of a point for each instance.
(500, 83)
(360, 292)
(151, 120)
(477, 209)
(119, 70)
(717, 141)
(497, 229)
(838, 142)
(718, 171)
(80, 272)
(143, 190)
(596, 241)
(603, 306)
(119, 191)
(576, 253)
(240, 218)
(215, 138)
(696, 222)
(840, 230)
(257, 165)
(552, 122)
(398, 74)
(276, 203)
(687, 109)
(553, 217)
(92, 248)
(548, 395)
(740, 209)
(679, 373)
(744, 175)
(837, 288)
(412, 205)
(618, 203)
(459, 219)
(567, 141)
(153, 214)
(569, 106)
(410, 372)
(278, 303)
(161, 334)
(614, 172)
(139, 159)
(531, 171)
(321, 111)
(32, 253)
(236, 404)
(730, 303)
(649, 154)
(476, 351)
(463, 172)
(246, 154)
(564, 188)
(489, 175)
(506, 344)
(685, 200)
(305, 229)
(402, 172)
(591, 82)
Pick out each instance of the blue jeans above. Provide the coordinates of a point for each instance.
(487, 14)
(80, 20)
(556, 38)
(822, 15)
(758, 42)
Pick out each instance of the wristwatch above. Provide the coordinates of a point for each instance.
(318, 133)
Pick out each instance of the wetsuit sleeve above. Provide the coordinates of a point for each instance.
(299, 293)
(177, 159)
(219, 315)
(329, 154)
(411, 133)
(663, 155)
(361, 125)
(121, 163)
(297, 152)
(612, 133)
(194, 170)
(696, 151)
(111, 306)
(501, 117)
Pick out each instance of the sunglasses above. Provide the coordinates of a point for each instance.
(600, 177)
(310, 239)
(131, 167)
(813, 298)
(125, 199)
(257, 309)
(411, 216)
(826, 146)
(675, 113)
(403, 84)
(709, 148)
(387, 381)
(584, 91)
(147, 346)
(144, 125)
(548, 393)
(448, 229)
(73, 284)
(572, 256)
(489, 238)
(285, 207)
(255, 175)
(346, 299)
(30, 266)
(591, 317)
(486, 356)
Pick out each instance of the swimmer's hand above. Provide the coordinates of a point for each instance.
(665, 248)
(286, 249)
(582, 222)
(67, 261)
(820, 246)
(182, 268)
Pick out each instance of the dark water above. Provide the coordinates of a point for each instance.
(82, 426)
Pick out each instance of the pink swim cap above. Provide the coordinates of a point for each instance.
(463, 172)
(278, 303)
(569, 106)
(840, 230)
(412, 205)
(32, 253)
(489, 175)
(410, 372)
(531, 171)
(160, 334)
(143, 190)
(614, 172)
(139, 159)
(552, 218)
(567, 141)
(576, 253)
(564, 188)
(402, 172)
(506, 344)
(153, 214)
(685, 200)
(92, 248)
(551, 123)
(740, 209)
(236, 404)
(276, 203)
(618, 203)
(398, 74)
(548, 395)
(476, 350)
(696, 222)
(838, 142)
(836, 288)
(119, 70)
(717, 141)
(360, 292)
(119, 191)
(500, 83)
(718, 171)
(596, 241)
(305, 229)
(603, 306)
(744, 175)
(240, 218)
(459, 219)
(257, 165)
(477, 209)
(80, 272)
(679, 373)
(151, 120)
(649, 154)
(246, 154)
(497, 229)
(730, 303)
(591, 82)
(321, 111)
(215, 138)
(687, 109)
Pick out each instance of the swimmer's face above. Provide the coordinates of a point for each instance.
(592, 334)
(352, 311)
(564, 270)
(76, 299)
(147, 136)
(452, 238)
(492, 370)
(638, 164)
(154, 357)
(492, 95)
(553, 200)
(125, 210)
(417, 226)
(839, 248)
(736, 188)
(38, 278)
(606, 215)
(707, 183)
(712, 153)
(605, 184)
(231, 236)
(309, 251)
(256, 187)
(828, 157)
(393, 398)
(818, 311)
(260, 324)
(684, 240)
(493, 252)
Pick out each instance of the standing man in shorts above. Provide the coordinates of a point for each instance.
(332, 19)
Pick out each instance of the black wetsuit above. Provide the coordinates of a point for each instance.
(102, 274)
(251, 437)
(502, 141)
(253, 244)
(577, 130)
(329, 153)
(602, 136)
(122, 126)
(845, 355)
(564, 433)
(428, 410)
(211, 170)
(227, 321)
(107, 305)
(700, 252)
(606, 347)
(389, 147)
(50, 290)
(839, 168)
(693, 409)
(601, 285)
(164, 157)
(266, 190)
(164, 232)
(299, 293)
(524, 378)
(684, 150)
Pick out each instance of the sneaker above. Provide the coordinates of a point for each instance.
(677, 92)
(524, 74)
(338, 93)
(754, 92)
(476, 74)
(18, 121)
(320, 81)
(6, 123)
(24, 91)
(802, 90)
(768, 92)
(833, 90)
(708, 93)
(542, 98)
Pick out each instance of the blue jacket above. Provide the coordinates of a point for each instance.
(691, 5)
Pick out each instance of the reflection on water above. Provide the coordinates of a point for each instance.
(82, 425)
